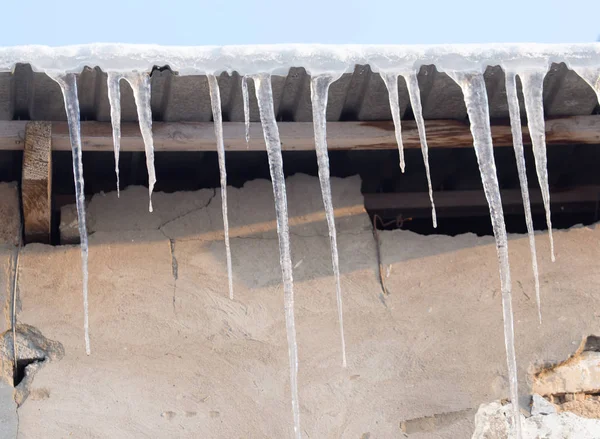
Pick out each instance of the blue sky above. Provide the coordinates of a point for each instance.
(197, 22)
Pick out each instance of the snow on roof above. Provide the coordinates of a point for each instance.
(278, 59)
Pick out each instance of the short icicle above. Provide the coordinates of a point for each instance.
(140, 83)
(114, 98)
(215, 99)
(246, 99)
(68, 85)
(533, 84)
(319, 87)
(473, 87)
(391, 83)
(264, 95)
(515, 123)
(414, 95)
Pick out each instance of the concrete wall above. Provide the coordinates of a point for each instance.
(172, 356)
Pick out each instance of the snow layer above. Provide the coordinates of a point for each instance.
(277, 59)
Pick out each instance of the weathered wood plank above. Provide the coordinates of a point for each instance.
(460, 200)
(36, 185)
(191, 136)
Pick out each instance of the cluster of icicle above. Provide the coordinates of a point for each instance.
(473, 87)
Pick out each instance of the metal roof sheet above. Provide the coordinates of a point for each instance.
(359, 96)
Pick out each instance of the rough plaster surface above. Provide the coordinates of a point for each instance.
(172, 356)
(9, 420)
(9, 228)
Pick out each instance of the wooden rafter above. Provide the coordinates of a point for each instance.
(298, 136)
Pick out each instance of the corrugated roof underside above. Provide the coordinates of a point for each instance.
(360, 96)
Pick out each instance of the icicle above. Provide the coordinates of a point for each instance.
(415, 102)
(391, 82)
(473, 87)
(140, 83)
(319, 87)
(264, 95)
(215, 99)
(515, 123)
(246, 99)
(68, 85)
(114, 98)
(533, 83)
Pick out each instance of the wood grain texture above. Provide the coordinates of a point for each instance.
(476, 198)
(36, 185)
(298, 136)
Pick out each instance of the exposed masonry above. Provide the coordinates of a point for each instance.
(174, 268)
(33, 352)
(574, 384)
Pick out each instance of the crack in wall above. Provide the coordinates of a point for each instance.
(14, 297)
(172, 241)
(174, 270)
(183, 215)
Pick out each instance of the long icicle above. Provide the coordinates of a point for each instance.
(391, 83)
(215, 99)
(68, 85)
(473, 87)
(140, 83)
(515, 124)
(114, 98)
(414, 95)
(246, 99)
(264, 95)
(319, 87)
(533, 84)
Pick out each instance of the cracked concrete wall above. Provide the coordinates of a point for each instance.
(9, 232)
(172, 356)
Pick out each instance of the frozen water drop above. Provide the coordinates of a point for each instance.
(319, 87)
(414, 95)
(114, 98)
(264, 95)
(246, 99)
(68, 85)
(215, 98)
(533, 83)
(140, 83)
(391, 83)
(473, 87)
(515, 123)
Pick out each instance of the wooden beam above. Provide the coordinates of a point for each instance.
(36, 184)
(298, 136)
(452, 203)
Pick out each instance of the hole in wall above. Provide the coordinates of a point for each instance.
(33, 351)
(20, 370)
(573, 385)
